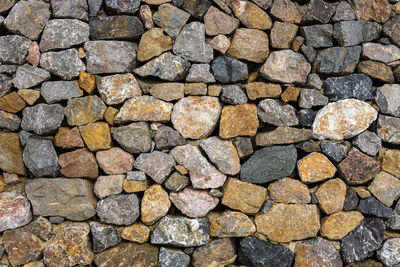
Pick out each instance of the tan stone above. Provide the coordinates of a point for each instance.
(81, 53)
(131, 186)
(156, 2)
(251, 15)
(291, 94)
(115, 89)
(115, 161)
(396, 8)
(195, 89)
(137, 232)
(232, 224)
(87, 82)
(182, 170)
(168, 91)
(315, 167)
(250, 45)
(30, 96)
(257, 90)
(146, 16)
(218, 22)
(338, 225)
(288, 190)
(389, 159)
(79, 163)
(331, 195)
(386, 188)
(219, 252)
(297, 43)
(376, 70)
(11, 153)
(110, 114)
(83, 110)
(12, 102)
(286, 11)
(287, 222)
(362, 191)
(96, 135)
(33, 54)
(243, 196)
(376, 10)
(220, 43)
(155, 204)
(283, 135)
(214, 90)
(239, 120)
(153, 43)
(282, 34)
(68, 138)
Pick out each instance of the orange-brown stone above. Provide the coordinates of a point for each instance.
(250, 45)
(68, 138)
(331, 195)
(338, 225)
(87, 82)
(257, 90)
(80, 163)
(11, 154)
(239, 120)
(12, 102)
(251, 15)
(96, 135)
(315, 167)
(288, 190)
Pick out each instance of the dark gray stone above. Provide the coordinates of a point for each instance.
(9, 121)
(8, 69)
(254, 252)
(103, 236)
(63, 34)
(122, 209)
(391, 29)
(42, 119)
(277, 113)
(172, 258)
(176, 182)
(351, 200)
(372, 206)
(41, 158)
(56, 219)
(94, 7)
(366, 238)
(350, 86)
(227, 69)
(64, 64)
(269, 164)
(233, 94)
(314, 81)
(267, 205)
(354, 32)
(74, 9)
(319, 11)
(56, 91)
(306, 117)
(171, 19)
(309, 52)
(308, 146)
(28, 76)
(13, 49)
(5, 84)
(317, 36)
(197, 8)
(1, 251)
(116, 28)
(368, 142)
(337, 60)
(167, 137)
(394, 221)
(388, 129)
(24, 136)
(312, 98)
(243, 146)
(134, 138)
(122, 6)
(335, 151)
(344, 12)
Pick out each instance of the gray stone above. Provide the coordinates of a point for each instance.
(349, 33)
(15, 211)
(337, 60)
(366, 238)
(28, 76)
(115, 28)
(387, 97)
(156, 164)
(28, 18)
(173, 258)
(167, 137)
(64, 64)
(181, 232)
(70, 198)
(306, 116)
(334, 150)
(312, 98)
(110, 56)
(42, 119)
(314, 81)
(388, 129)
(13, 49)
(191, 43)
(9, 121)
(282, 135)
(200, 73)
(56, 219)
(63, 34)
(122, 6)
(390, 29)
(350, 86)
(373, 207)
(269, 164)
(351, 200)
(108, 185)
(171, 19)
(379, 52)
(389, 254)
(134, 138)
(344, 12)
(243, 146)
(104, 236)
(196, 8)
(74, 9)
(6, 5)
(1, 251)
(309, 52)
(94, 7)
(257, 252)
(122, 209)
(5, 84)
(176, 182)
(226, 69)
(60, 90)
(317, 36)
(368, 142)
(277, 113)
(41, 158)
(8, 69)
(233, 94)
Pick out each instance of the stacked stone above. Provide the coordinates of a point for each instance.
(198, 132)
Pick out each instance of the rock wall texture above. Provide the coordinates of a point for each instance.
(200, 133)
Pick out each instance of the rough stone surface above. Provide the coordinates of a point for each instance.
(339, 224)
(239, 120)
(84, 110)
(233, 94)
(357, 86)
(173, 258)
(64, 64)
(389, 28)
(155, 204)
(387, 99)
(115, 28)
(77, 9)
(78, 163)
(250, 45)
(372, 206)
(103, 236)
(318, 11)
(217, 22)
(115, 89)
(232, 224)
(108, 185)
(251, 15)
(315, 167)
(226, 69)
(337, 60)
(349, 33)
(217, 252)
(277, 113)
(28, 76)
(377, 10)
(15, 211)
(311, 98)
(171, 19)
(331, 196)
(11, 153)
(156, 164)
(9, 121)
(13, 49)
(317, 36)
(389, 253)
(42, 119)
(57, 91)
(115, 161)
(134, 137)
(152, 44)
(136, 232)
(316, 251)
(257, 90)
(122, 209)
(379, 52)
(288, 190)
(386, 188)
(376, 70)
(97, 135)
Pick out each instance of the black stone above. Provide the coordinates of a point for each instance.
(335, 151)
(116, 28)
(103, 236)
(337, 60)
(197, 8)
(351, 86)
(319, 11)
(306, 117)
(226, 69)
(351, 200)
(372, 206)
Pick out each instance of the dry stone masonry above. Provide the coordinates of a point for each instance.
(204, 133)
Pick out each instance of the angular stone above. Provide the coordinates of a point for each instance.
(121, 209)
(166, 67)
(331, 196)
(156, 164)
(200, 73)
(319, 11)
(389, 160)
(28, 76)
(386, 188)
(70, 198)
(394, 221)
(97, 135)
(69, 247)
(218, 22)
(315, 167)
(306, 117)
(243, 196)
(286, 11)
(166, 137)
(30, 96)
(373, 207)
(136, 232)
(122, 7)
(218, 252)
(79, 163)
(316, 251)
(9, 121)
(135, 181)
(351, 201)
(282, 135)
(196, 8)
(311, 98)
(232, 224)
(155, 204)
(115, 89)
(168, 91)
(257, 90)
(171, 19)
(103, 236)
(134, 137)
(220, 43)
(15, 211)
(194, 89)
(11, 153)
(277, 113)
(337, 60)
(115, 28)
(28, 18)
(173, 258)
(387, 99)
(388, 129)
(64, 64)
(288, 190)
(339, 224)
(343, 119)
(108, 185)
(202, 174)
(286, 66)
(181, 232)
(87, 82)
(377, 10)
(84, 110)
(317, 36)
(350, 86)
(41, 158)
(226, 69)
(389, 253)
(390, 29)
(55, 91)
(109, 56)
(128, 254)
(349, 33)
(379, 52)
(146, 16)
(13, 49)
(77, 9)
(344, 12)
(250, 45)
(115, 161)
(110, 114)
(176, 182)
(12, 102)
(251, 15)
(365, 239)
(6, 5)
(239, 120)
(5, 84)
(282, 35)
(376, 70)
(358, 168)
(153, 43)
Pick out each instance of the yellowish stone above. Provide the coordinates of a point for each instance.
(110, 114)
(96, 135)
(315, 167)
(131, 186)
(338, 225)
(232, 224)
(168, 91)
(155, 204)
(257, 90)
(153, 43)
(331, 195)
(11, 154)
(30, 96)
(239, 120)
(136, 232)
(87, 82)
(12, 102)
(68, 138)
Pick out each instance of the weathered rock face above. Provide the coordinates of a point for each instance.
(40, 157)
(239, 120)
(134, 137)
(42, 119)
(171, 19)
(350, 86)
(11, 154)
(339, 224)
(64, 64)
(80, 163)
(15, 211)
(249, 44)
(103, 236)
(122, 209)
(115, 89)
(221, 251)
(315, 167)
(57, 91)
(155, 204)
(115, 27)
(277, 113)
(232, 224)
(153, 43)
(317, 251)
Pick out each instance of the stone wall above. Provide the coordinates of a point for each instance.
(199, 133)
